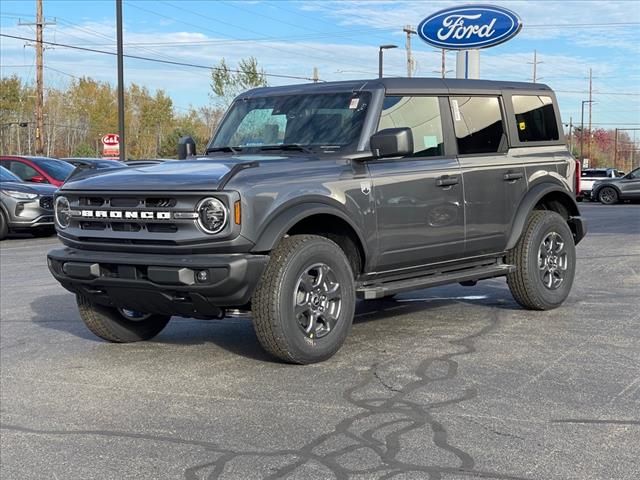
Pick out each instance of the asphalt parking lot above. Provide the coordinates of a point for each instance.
(449, 383)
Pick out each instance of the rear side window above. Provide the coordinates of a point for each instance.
(422, 116)
(478, 125)
(594, 173)
(535, 118)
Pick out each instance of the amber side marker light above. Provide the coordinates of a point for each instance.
(237, 212)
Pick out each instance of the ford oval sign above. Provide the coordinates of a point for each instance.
(469, 27)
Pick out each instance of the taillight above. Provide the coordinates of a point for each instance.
(578, 175)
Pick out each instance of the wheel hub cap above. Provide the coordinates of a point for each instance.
(552, 261)
(317, 301)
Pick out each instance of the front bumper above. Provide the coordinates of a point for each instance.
(183, 285)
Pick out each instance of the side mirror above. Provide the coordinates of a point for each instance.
(38, 179)
(392, 142)
(186, 147)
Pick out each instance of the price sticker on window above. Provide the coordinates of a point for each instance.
(456, 110)
(354, 103)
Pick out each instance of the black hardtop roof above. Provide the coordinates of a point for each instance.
(400, 85)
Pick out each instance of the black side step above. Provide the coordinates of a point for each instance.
(383, 289)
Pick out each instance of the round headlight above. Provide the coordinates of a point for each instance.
(212, 215)
(62, 212)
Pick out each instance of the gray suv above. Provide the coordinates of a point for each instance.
(25, 207)
(310, 196)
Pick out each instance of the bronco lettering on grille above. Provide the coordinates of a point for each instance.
(127, 214)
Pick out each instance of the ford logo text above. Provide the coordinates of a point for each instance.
(469, 27)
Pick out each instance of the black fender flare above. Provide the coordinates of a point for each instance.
(288, 216)
(531, 199)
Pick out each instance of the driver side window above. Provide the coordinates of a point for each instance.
(25, 172)
(422, 116)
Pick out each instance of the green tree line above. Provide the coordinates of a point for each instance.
(77, 116)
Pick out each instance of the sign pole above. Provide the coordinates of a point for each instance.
(123, 155)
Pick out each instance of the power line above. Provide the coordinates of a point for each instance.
(148, 59)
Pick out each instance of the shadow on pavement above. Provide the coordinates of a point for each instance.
(237, 336)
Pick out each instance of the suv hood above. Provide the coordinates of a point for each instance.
(179, 175)
(40, 189)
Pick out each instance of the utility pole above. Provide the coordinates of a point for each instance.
(590, 103)
(535, 66)
(39, 24)
(582, 128)
(315, 75)
(570, 135)
(121, 133)
(409, 30)
(615, 151)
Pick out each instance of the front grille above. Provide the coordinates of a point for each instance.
(160, 202)
(46, 203)
(147, 218)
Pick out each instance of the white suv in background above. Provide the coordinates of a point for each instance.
(591, 175)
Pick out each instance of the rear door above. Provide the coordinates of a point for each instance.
(418, 198)
(494, 181)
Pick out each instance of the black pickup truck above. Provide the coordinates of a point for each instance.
(310, 196)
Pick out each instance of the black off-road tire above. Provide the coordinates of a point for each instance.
(608, 196)
(109, 324)
(526, 282)
(272, 303)
(4, 226)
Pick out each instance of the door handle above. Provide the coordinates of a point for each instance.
(512, 176)
(447, 181)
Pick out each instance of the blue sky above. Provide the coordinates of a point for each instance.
(340, 38)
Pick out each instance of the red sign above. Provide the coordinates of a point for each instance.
(111, 145)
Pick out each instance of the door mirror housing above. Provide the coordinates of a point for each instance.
(38, 179)
(186, 148)
(392, 142)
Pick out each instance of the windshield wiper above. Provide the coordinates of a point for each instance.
(226, 148)
(287, 146)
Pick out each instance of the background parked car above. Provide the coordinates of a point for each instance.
(614, 190)
(591, 175)
(38, 169)
(25, 206)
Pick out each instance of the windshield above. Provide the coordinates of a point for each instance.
(319, 122)
(7, 176)
(55, 168)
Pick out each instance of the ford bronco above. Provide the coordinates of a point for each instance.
(310, 196)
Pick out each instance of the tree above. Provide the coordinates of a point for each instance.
(226, 83)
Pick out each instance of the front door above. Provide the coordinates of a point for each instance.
(630, 185)
(418, 198)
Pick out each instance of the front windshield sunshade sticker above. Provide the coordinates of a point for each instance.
(522, 126)
(430, 141)
(456, 110)
(354, 103)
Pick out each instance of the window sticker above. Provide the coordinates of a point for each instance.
(430, 141)
(522, 126)
(354, 103)
(456, 110)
